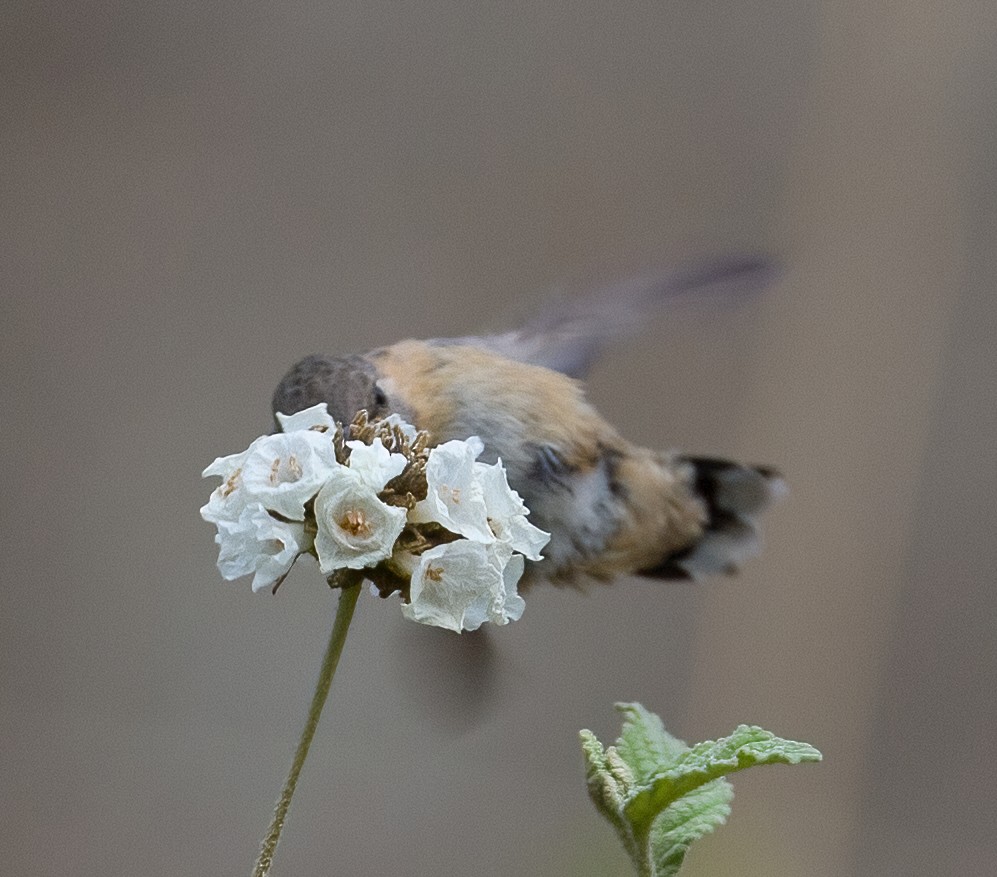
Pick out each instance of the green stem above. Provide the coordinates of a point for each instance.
(642, 860)
(344, 614)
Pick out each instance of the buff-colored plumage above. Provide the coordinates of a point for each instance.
(611, 507)
(644, 507)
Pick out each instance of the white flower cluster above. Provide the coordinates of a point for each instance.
(289, 494)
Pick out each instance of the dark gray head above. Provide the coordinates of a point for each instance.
(345, 383)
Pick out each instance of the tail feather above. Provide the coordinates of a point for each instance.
(734, 496)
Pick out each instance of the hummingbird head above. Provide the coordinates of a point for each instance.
(346, 384)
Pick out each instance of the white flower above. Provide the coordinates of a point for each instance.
(317, 417)
(280, 472)
(228, 499)
(374, 464)
(512, 605)
(355, 529)
(455, 499)
(256, 542)
(462, 584)
(260, 511)
(507, 512)
(284, 471)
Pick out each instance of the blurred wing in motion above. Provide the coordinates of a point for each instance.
(570, 333)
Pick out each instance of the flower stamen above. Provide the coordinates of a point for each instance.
(232, 483)
(355, 523)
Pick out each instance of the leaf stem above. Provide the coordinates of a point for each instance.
(344, 614)
(642, 858)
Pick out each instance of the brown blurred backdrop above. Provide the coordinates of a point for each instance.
(195, 195)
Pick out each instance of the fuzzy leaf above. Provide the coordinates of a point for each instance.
(748, 746)
(608, 784)
(644, 743)
(661, 795)
(686, 820)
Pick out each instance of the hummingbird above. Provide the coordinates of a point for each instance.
(612, 508)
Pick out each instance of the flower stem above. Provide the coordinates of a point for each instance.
(344, 614)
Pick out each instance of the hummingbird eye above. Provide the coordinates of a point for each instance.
(380, 399)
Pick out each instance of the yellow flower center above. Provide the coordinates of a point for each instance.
(233, 482)
(355, 522)
(291, 472)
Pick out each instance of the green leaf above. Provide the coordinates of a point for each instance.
(661, 795)
(610, 783)
(686, 820)
(644, 743)
(748, 746)
(607, 788)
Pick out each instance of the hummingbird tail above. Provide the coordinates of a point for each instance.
(734, 495)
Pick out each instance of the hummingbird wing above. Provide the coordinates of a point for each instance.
(571, 332)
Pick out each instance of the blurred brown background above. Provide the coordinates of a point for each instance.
(195, 195)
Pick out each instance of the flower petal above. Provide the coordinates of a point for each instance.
(317, 417)
(228, 499)
(507, 512)
(355, 529)
(512, 606)
(284, 471)
(374, 464)
(455, 499)
(258, 543)
(462, 584)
